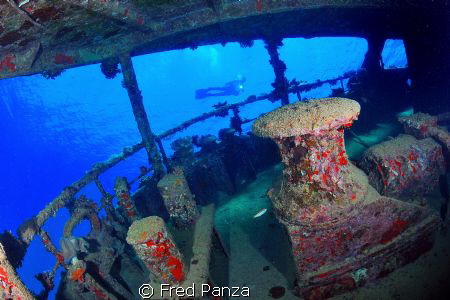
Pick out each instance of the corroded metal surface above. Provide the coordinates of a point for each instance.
(316, 174)
(29, 228)
(155, 246)
(11, 287)
(422, 125)
(39, 35)
(178, 198)
(342, 232)
(122, 190)
(148, 138)
(399, 244)
(404, 167)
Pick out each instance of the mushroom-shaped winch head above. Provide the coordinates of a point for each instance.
(309, 117)
(310, 138)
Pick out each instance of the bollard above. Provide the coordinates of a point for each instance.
(178, 198)
(310, 136)
(342, 232)
(154, 245)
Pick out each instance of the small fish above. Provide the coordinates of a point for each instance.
(260, 213)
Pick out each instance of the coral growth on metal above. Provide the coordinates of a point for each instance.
(86, 282)
(11, 287)
(316, 167)
(122, 191)
(7, 286)
(404, 167)
(421, 125)
(377, 237)
(343, 233)
(178, 198)
(155, 246)
(43, 35)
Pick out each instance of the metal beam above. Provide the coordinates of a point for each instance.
(29, 50)
(131, 84)
(281, 84)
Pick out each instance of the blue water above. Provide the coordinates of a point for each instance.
(52, 131)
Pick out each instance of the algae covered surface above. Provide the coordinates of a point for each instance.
(260, 255)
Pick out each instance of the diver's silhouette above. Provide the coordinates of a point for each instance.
(232, 88)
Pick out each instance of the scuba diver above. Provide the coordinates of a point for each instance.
(231, 88)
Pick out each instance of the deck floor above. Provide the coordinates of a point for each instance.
(260, 243)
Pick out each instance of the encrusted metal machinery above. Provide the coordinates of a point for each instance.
(178, 198)
(343, 233)
(12, 286)
(422, 125)
(101, 265)
(157, 249)
(404, 167)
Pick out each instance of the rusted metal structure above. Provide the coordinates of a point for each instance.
(343, 233)
(43, 36)
(404, 167)
(422, 125)
(178, 198)
(156, 247)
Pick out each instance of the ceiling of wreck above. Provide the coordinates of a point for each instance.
(40, 35)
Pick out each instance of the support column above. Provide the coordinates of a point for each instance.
(280, 84)
(373, 61)
(131, 84)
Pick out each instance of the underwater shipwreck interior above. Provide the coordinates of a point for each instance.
(309, 185)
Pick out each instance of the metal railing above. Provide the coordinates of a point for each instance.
(30, 228)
